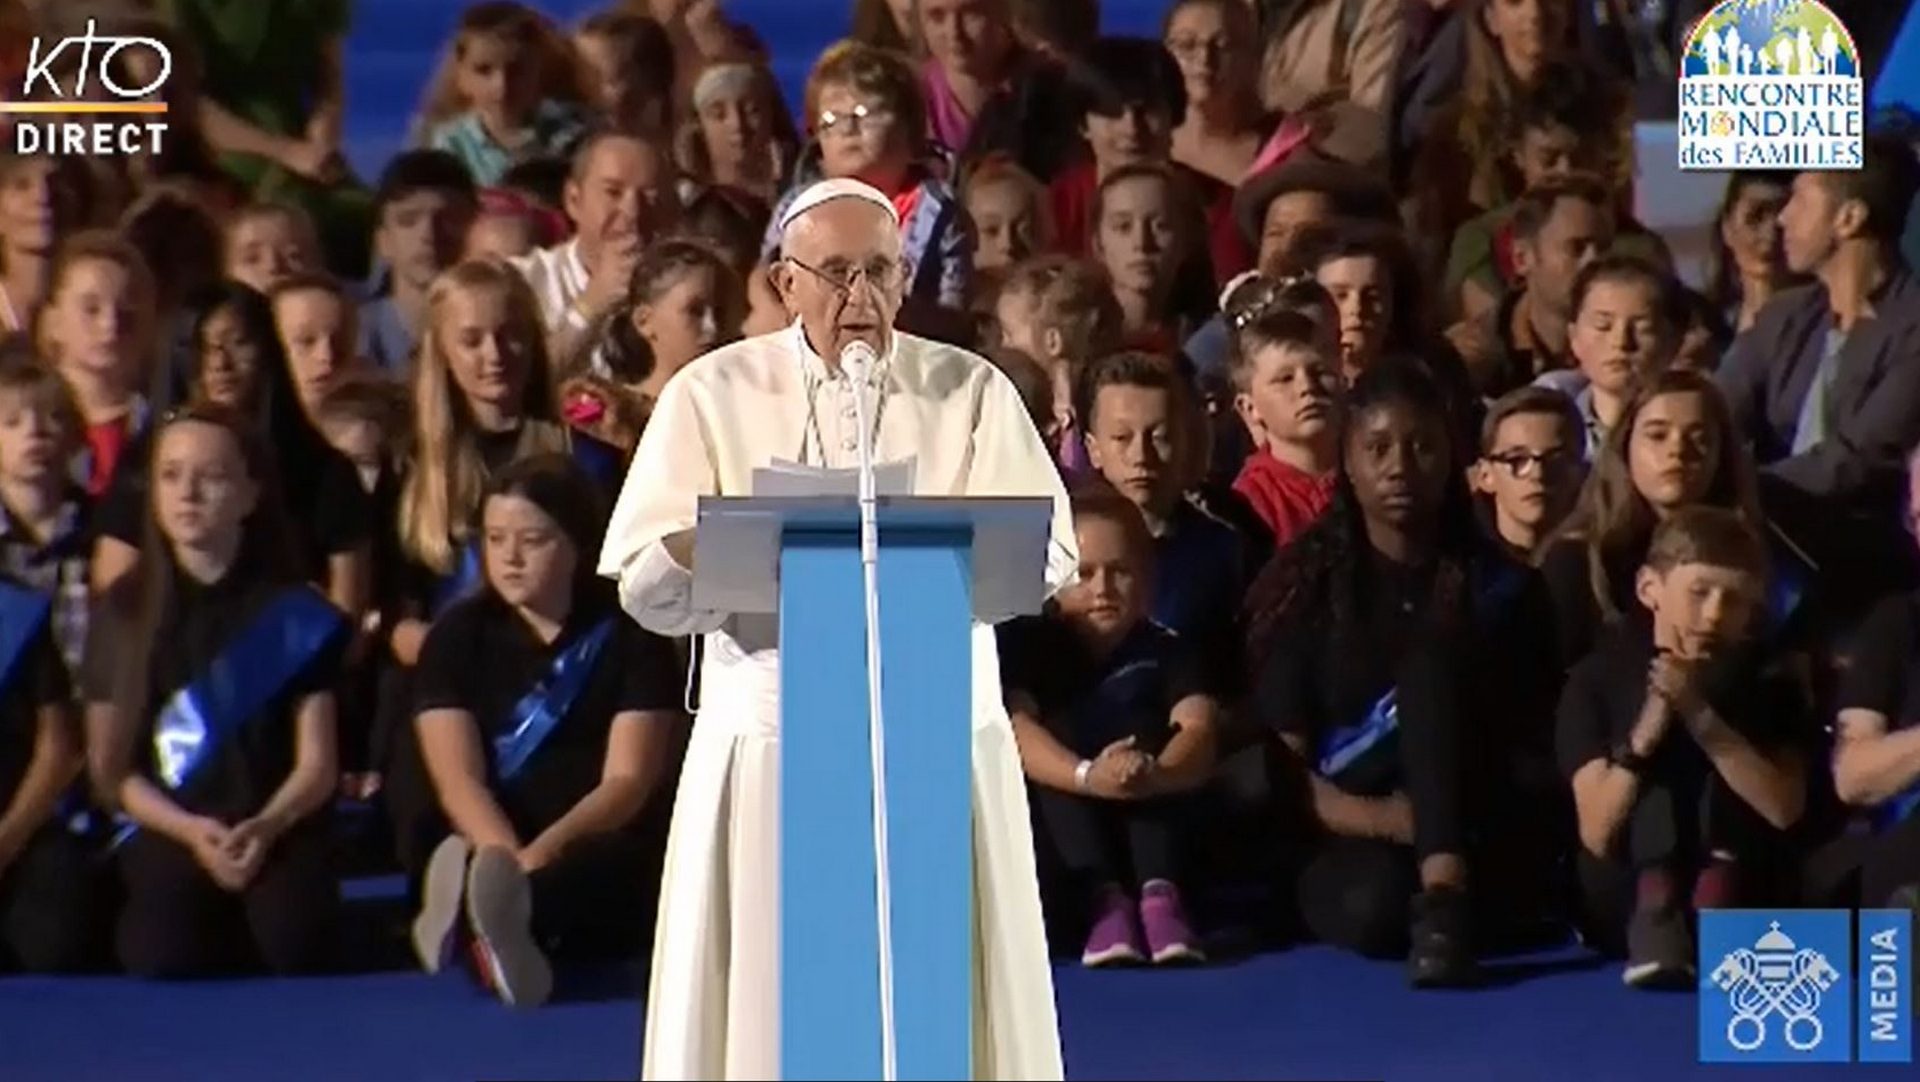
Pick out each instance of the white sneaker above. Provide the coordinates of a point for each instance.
(440, 895)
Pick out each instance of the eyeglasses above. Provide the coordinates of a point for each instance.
(1525, 463)
(884, 275)
(854, 120)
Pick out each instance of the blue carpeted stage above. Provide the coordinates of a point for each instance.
(1304, 1014)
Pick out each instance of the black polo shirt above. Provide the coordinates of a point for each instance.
(202, 622)
(1605, 692)
(482, 658)
(36, 679)
(1088, 701)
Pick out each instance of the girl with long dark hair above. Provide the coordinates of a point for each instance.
(211, 717)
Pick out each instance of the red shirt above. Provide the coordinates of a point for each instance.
(1286, 498)
(105, 441)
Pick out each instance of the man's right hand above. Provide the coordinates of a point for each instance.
(607, 278)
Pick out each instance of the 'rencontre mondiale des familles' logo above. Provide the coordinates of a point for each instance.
(1771, 84)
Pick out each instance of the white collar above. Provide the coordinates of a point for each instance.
(572, 266)
(816, 368)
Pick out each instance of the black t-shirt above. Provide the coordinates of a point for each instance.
(330, 512)
(1604, 694)
(481, 657)
(202, 623)
(1314, 681)
(1088, 702)
(36, 679)
(1885, 674)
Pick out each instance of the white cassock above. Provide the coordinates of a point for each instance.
(713, 1007)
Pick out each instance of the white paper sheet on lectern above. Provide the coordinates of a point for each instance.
(737, 569)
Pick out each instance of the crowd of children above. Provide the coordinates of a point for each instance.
(1538, 593)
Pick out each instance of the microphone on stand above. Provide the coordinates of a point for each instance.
(858, 361)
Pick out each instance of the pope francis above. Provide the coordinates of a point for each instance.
(713, 1007)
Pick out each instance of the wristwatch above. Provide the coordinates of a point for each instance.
(1082, 775)
(1624, 757)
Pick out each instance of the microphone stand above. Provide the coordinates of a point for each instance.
(858, 362)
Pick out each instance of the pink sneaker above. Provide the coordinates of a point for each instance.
(1170, 937)
(1115, 938)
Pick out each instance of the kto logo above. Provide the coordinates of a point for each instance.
(1783, 986)
(51, 118)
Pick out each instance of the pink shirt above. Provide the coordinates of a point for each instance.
(947, 120)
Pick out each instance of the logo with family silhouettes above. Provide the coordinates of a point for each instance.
(1771, 84)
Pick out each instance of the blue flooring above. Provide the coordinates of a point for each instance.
(1305, 1014)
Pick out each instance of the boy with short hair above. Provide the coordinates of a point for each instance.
(1114, 724)
(1287, 392)
(1529, 471)
(44, 538)
(425, 203)
(1685, 744)
(317, 324)
(268, 243)
(1140, 437)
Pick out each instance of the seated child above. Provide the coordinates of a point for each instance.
(267, 243)
(45, 517)
(104, 362)
(1113, 724)
(628, 60)
(549, 723)
(1686, 747)
(424, 206)
(492, 104)
(1625, 328)
(1009, 208)
(1365, 660)
(1876, 766)
(1287, 391)
(46, 886)
(1529, 472)
(1061, 312)
(47, 892)
(231, 861)
(1139, 435)
(867, 112)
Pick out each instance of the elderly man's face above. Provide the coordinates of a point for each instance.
(842, 276)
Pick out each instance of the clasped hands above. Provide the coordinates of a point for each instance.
(1123, 772)
(233, 855)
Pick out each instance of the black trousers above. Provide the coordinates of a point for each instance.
(1357, 894)
(179, 923)
(52, 907)
(598, 901)
(1119, 842)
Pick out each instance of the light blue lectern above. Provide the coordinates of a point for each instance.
(942, 563)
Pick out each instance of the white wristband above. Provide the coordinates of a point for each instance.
(1082, 774)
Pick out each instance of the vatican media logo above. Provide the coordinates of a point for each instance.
(1782, 986)
(1771, 84)
(94, 112)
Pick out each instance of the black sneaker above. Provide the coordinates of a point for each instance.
(1660, 950)
(1442, 932)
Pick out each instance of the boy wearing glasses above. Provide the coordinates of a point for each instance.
(1529, 469)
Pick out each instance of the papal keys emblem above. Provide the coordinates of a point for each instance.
(1775, 977)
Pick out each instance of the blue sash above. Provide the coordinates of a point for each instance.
(253, 667)
(23, 614)
(1347, 745)
(540, 711)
